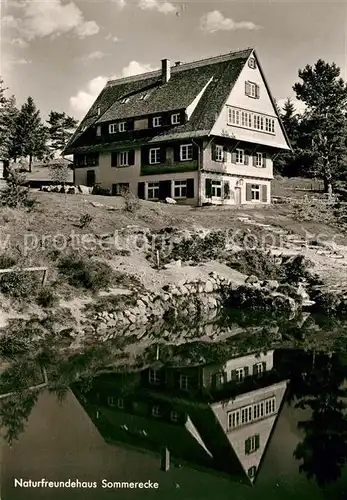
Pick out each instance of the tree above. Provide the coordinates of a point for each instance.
(59, 171)
(8, 114)
(324, 126)
(61, 128)
(30, 135)
(286, 163)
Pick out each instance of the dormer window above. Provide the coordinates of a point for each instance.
(124, 100)
(112, 128)
(175, 119)
(251, 63)
(144, 96)
(157, 121)
(98, 131)
(122, 126)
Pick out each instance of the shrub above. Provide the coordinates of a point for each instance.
(131, 202)
(327, 302)
(7, 261)
(19, 284)
(86, 273)
(101, 191)
(261, 264)
(46, 297)
(85, 220)
(16, 194)
(296, 269)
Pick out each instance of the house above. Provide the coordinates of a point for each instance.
(200, 132)
(221, 428)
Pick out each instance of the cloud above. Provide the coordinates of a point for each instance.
(163, 7)
(16, 62)
(83, 100)
(120, 3)
(113, 38)
(18, 42)
(92, 56)
(216, 21)
(53, 18)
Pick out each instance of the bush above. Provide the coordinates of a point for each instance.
(7, 261)
(19, 284)
(261, 264)
(16, 194)
(296, 269)
(85, 220)
(86, 273)
(101, 191)
(327, 302)
(46, 297)
(131, 202)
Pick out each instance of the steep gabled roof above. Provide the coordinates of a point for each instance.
(186, 82)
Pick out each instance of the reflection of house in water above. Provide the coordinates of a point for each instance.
(218, 418)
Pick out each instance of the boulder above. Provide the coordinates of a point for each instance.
(175, 263)
(170, 201)
(270, 284)
(250, 280)
(84, 189)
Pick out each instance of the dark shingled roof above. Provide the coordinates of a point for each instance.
(186, 82)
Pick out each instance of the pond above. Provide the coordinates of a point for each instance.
(259, 411)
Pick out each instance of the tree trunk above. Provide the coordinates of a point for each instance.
(328, 187)
(30, 162)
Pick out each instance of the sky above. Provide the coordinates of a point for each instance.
(61, 52)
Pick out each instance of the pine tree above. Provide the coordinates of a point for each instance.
(30, 135)
(61, 127)
(286, 163)
(324, 127)
(8, 114)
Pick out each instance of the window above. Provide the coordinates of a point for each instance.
(216, 189)
(240, 374)
(251, 63)
(240, 156)
(175, 119)
(122, 126)
(120, 403)
(251, 472)
(246, 119)
(252, 89)
(153, 191)
(154, 377)
(219, 153)
(124, 100)
(156, 412)
(112, 128)
(259, 160)
(252, 444)
(219, 378)
(144, 96)
(258, 122)
(270, 125)
(255, 192)
(157, 121)
(184, 382)
(251, 413)
(98, 131)
(186, 152)
(111, 401)
(180, 189)
(123, 159)
(175, 416)
(154, 156)
(258, 368)
(233, 116)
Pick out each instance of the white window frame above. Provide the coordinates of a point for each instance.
(255, 192)
(251, 413)
(259, 162)
(216, 186)
(120, 403)
(219, 378)
(174, 416)
(157, 121)
(184, 386)
(154, 377)
(270, 125)
(152, 188)
(175, 119)
(252, 472)
(156, 154)
(123, 159)
(125, 100)
(259, 368)
(219, 153)
(98, 131)
(144, 96)
(240, 374)
(182, 188)
(252, 444)
(240, 156)
(156, 411)
(186, 152)
(248, 119)
(122, 126)
(252, 89)
(112, 128)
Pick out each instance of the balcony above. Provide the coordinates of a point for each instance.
(169, 167)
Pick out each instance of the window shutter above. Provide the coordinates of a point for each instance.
(264, 193)
(182, 117)
(213, 152)
(264, 366)
(129, 125)
(208, 188)
(247, 88)
(254, 160)
(195, 152)
(176, 151)
(246, 158)
(233, 375)
(264, 160)
(247, 446)
(163, 154)
(144, 156)
(233, 157)
(141, 190)
(131, 157)
(257, 94)
(246, 371)
(254, 371)
(114, 159)
(248, 192)
(190, 188)
(257, 441)
(225, 153)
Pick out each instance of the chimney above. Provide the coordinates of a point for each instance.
(165, 70)
(177, 63)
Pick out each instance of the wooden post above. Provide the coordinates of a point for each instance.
(165, 460)
(158, 259)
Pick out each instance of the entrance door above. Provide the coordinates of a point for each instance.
(90, 178)
(237, 196)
